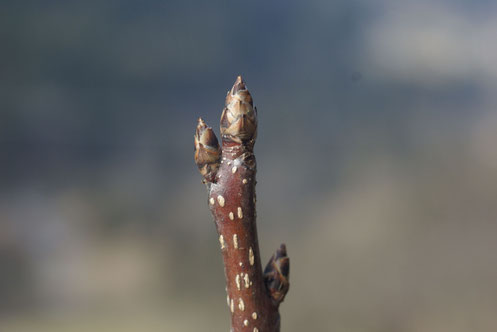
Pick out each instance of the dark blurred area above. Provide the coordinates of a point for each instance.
(376, 153)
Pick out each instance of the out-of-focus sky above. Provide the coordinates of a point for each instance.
(376, 152)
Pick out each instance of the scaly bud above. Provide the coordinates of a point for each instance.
(207, 151)
(239, 118)
(276, 275)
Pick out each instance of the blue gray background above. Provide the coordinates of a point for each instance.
(376, 153)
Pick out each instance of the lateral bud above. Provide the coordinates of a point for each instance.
(239, 118)
(207, 151)
(276, 275)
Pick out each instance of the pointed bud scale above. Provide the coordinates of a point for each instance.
(277, 273)
(207, 151)
(239, 118)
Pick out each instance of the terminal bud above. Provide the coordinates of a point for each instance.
(239, 118)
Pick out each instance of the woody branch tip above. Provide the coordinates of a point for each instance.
(253, 296)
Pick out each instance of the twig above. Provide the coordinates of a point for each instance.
(229, 173)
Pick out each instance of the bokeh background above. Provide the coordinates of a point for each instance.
(376, 152)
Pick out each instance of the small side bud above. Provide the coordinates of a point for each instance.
(276, 275)
(239, 118)
(207, 151)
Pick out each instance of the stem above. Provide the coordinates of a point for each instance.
(253, 297)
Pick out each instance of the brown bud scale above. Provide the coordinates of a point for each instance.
(207, 151)
(239, 118)
(276, 275)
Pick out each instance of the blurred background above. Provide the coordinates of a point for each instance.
(376, 152)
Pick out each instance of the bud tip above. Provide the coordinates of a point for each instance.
(238, 85)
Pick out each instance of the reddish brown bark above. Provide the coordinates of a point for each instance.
(253, 297)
